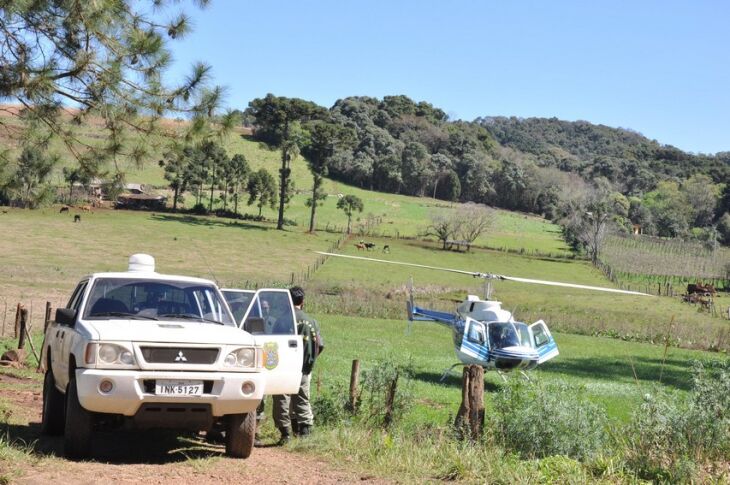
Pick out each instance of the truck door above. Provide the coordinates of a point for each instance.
(474, 343)
(239, 302)
(61, 344)
(270, 318)
(543, 341)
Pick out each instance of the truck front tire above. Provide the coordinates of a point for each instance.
(240, 435)
(52, 420)
(79, 426)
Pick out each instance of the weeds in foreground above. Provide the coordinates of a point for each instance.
(550, 433)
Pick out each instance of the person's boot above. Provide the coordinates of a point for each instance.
(285, 436)
(257, 440)
(295, 427)
(305, 430)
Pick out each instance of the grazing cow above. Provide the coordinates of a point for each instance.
(77, 218)
(360, 246)
(63, 209)
(701, 289)
(85, 208)
(386, 248)
(369, 246)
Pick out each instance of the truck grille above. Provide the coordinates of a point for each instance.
(179, 355)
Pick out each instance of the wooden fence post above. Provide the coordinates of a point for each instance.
(5, 314)
(354, 382)
(23, 322)
(17, 320)
(390, 400)
(471, 412)
(47, 319)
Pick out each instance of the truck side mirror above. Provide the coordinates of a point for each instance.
(66, 316)
(254, 325)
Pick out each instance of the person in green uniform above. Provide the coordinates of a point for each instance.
(295, 408)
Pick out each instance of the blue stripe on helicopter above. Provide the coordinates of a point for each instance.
(547, 348)
(482, 352)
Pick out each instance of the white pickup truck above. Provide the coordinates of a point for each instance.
(156, 351)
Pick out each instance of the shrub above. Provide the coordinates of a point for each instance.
(329, 406)
(376, 383)
(669, 436)
(199, 209)
(539, 420)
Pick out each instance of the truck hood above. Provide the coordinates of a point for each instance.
(167, 332)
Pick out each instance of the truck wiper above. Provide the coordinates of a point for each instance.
(131, 316)
(188, 316)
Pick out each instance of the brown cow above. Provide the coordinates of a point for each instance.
(701, 289)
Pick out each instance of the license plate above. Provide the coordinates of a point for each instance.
(178, 388)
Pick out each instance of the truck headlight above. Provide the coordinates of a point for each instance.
(244, 357)
(111, 354)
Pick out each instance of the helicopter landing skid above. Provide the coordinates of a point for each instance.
(448, 371)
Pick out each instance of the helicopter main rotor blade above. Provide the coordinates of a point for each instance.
(470, 273)
(477, 274)
(573, 285)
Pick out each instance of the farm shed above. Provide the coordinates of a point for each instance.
(141, 201)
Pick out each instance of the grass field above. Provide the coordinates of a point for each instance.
(603, 365)
(360, 306)
(378, 290)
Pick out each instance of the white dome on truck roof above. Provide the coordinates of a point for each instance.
(141, 263)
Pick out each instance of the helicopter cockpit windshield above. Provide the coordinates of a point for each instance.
(502, 335)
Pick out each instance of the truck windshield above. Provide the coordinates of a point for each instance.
(155, 300)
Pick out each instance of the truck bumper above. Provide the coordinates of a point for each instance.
(132, 388)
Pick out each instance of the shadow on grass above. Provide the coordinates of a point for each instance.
(451, 380)
(209, 221)
(117, 446)
(674, 372)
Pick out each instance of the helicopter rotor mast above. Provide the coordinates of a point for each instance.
(490, 276)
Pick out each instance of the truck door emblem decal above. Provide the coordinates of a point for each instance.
(271, 355)
(181, 357)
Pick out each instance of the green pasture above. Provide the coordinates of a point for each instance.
(616, 373)
(45, 253)
(565, 309)
(399, 216)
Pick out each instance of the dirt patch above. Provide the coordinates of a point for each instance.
(150, 457)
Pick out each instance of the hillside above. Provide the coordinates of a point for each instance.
(623, 156)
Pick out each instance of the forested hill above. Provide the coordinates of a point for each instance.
(544, 166)
(621, 155)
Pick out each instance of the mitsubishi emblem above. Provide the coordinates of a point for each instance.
(181, 357)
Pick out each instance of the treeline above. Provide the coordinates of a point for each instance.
(544, 166)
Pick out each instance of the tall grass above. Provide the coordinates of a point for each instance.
(544, 433)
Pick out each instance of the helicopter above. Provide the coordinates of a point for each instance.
(483, 332)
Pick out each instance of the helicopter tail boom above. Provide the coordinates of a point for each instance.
(426, 315)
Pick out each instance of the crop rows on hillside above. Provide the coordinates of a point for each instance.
(665, 258)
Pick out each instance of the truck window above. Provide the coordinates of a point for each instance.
(155, 300)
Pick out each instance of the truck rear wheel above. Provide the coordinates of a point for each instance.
(52, 419)
(79, 425)
(240, 435)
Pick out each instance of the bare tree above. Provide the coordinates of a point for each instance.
(473, 220)
(593, 227)
(443, 227)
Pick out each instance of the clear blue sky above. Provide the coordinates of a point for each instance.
(659, 67)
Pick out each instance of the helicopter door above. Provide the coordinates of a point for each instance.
(543, 341)
(474, 343)
(270, 319)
